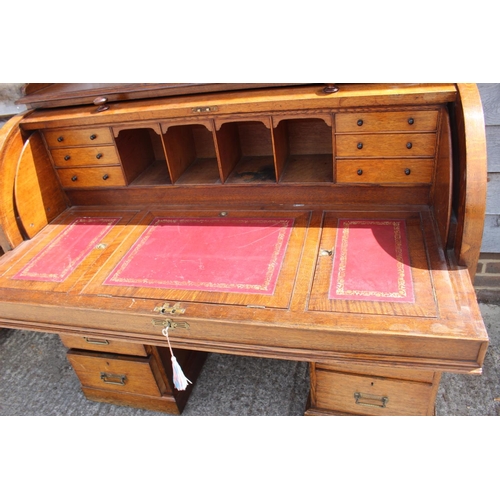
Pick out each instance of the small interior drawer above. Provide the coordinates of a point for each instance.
(385, 171)
(91, 177)
(370, 395)
(388, 145)
(89, 343)
(115, 372)
(62, 138)
(387, 121)
(75, 157)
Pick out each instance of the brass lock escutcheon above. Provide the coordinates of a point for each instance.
(204, 109)
(170, 324)
(166, 308)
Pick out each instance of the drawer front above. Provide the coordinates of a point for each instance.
(82, 137)
(91, 177)
(410, 374)
(359, 145)
(404, 171)
(102, 345)
(392, 121)
(76, 157)
(113, 372)
(364, 395)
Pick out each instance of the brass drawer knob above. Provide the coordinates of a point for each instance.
(409, 145)
(360, 145)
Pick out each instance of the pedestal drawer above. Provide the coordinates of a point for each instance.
(102, 345)
(118, 373)
(366, 395)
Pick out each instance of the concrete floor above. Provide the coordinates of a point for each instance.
(36, 379)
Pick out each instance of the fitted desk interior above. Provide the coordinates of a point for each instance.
(335, 225)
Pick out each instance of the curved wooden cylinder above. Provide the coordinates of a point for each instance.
(471, 176)
(11, 146)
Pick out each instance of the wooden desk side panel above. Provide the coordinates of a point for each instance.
(39, 198)
(470, 176)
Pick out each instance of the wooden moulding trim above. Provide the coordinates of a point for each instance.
(129, 126)
(11, 146)
(326, 117)
(265, 119)
(473, 172)
(298, 99)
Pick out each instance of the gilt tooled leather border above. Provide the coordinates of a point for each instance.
(123, 276)
(58, 260)
(403, 286)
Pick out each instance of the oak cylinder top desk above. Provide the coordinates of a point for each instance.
(334, 224)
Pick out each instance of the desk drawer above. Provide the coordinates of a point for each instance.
(76, 157)
(370, 395)
(387, 121)
(116, 373)
(91, 177)
(62, 138)
(385, 171)
(360, 145)
(101, 345)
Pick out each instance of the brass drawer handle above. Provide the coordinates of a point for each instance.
(330, 88)
(101, 102)
(96, 342)
(378, 401)
(112, 378)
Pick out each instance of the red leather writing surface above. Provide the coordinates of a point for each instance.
(206, 253)
(371, 261)
(62, 256)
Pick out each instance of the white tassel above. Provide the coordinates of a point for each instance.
(180, 380)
